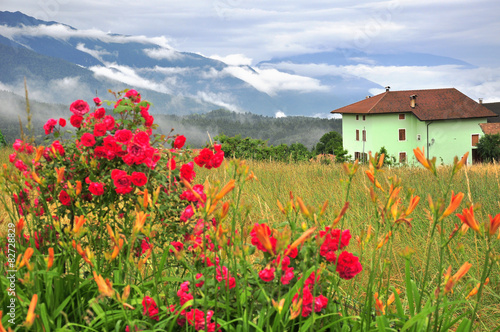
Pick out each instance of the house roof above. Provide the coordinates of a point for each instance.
(490, 128)
(432, 104)
(495, 107)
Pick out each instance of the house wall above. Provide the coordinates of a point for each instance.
(451, 137)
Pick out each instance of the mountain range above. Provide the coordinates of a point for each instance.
(62, 64)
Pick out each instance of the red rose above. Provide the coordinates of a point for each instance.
(59, 148)
(88, 139)
(187, 171)
(64, 198)
(187, 213)
(179, 142)
(142, 138)
(171, 164)
(62, 122)
(177, 245)
(139, 179)
(100, 129)
(100, 152)
(49, 126)
(79, 107)
(109, 121)
(216, 160)
(123, 190)
(99, 113)
(96, 188)
(132, 94)
(199, 276)
(267, 275)
(287, 276)
(76, 121)
(320, 302)
(150, 308)
(149, 121)
(348, 265)
(204, 157)
(97, 101)
(123, 136)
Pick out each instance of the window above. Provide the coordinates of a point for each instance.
(402, 157)
(357, 117)
(364, 135)
(357, 135)
(402, 134)
(418, 137)
(357, 155)
(364, 118)
(475, 139)
(402, 116)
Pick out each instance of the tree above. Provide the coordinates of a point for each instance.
(328, 143)
(488, 148)
(2, 140)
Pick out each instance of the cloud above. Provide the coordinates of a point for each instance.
(280, 114)
(234, 59)
(222, 99)
(483, 82)
(64, 32)
(95, 53)
(128, 76)
(163, 53)
(271, 81)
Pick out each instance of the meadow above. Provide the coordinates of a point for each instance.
(118, 229)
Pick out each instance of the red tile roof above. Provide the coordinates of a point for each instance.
(490, 128)
(432, 104)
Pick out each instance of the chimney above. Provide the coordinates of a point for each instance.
(387, 88)
(480, 100)
(413, 100)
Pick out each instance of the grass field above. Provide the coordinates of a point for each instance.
(315, 183)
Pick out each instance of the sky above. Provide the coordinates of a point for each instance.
(246, 32)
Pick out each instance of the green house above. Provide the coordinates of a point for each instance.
(444, 121)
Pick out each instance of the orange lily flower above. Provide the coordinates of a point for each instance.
(105, 287)
(303, 207)
(30, 317)
(26, 258)
(459, 164)
(413, 204)
(341, 214)
(468, 219)
(126, 293)
(300, 240)
(494, 224)
(60, 174)
(421, 158)
(476, 289)
(78, 224)
(278, 305)
(140, 219)
(371, 176)
(2, 329)
(281, 207)
(78, 187)
(452, 280)
(225, 190)
(50, 261)
(36, 178)
(39, 153)
(225, 210)
(379, 306)
(323, 208)
(384, 240)
(454, 204)
(263, 237)
(19, 226)
(392, 297)
(295, 309)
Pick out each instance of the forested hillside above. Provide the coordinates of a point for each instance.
(287, 130)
